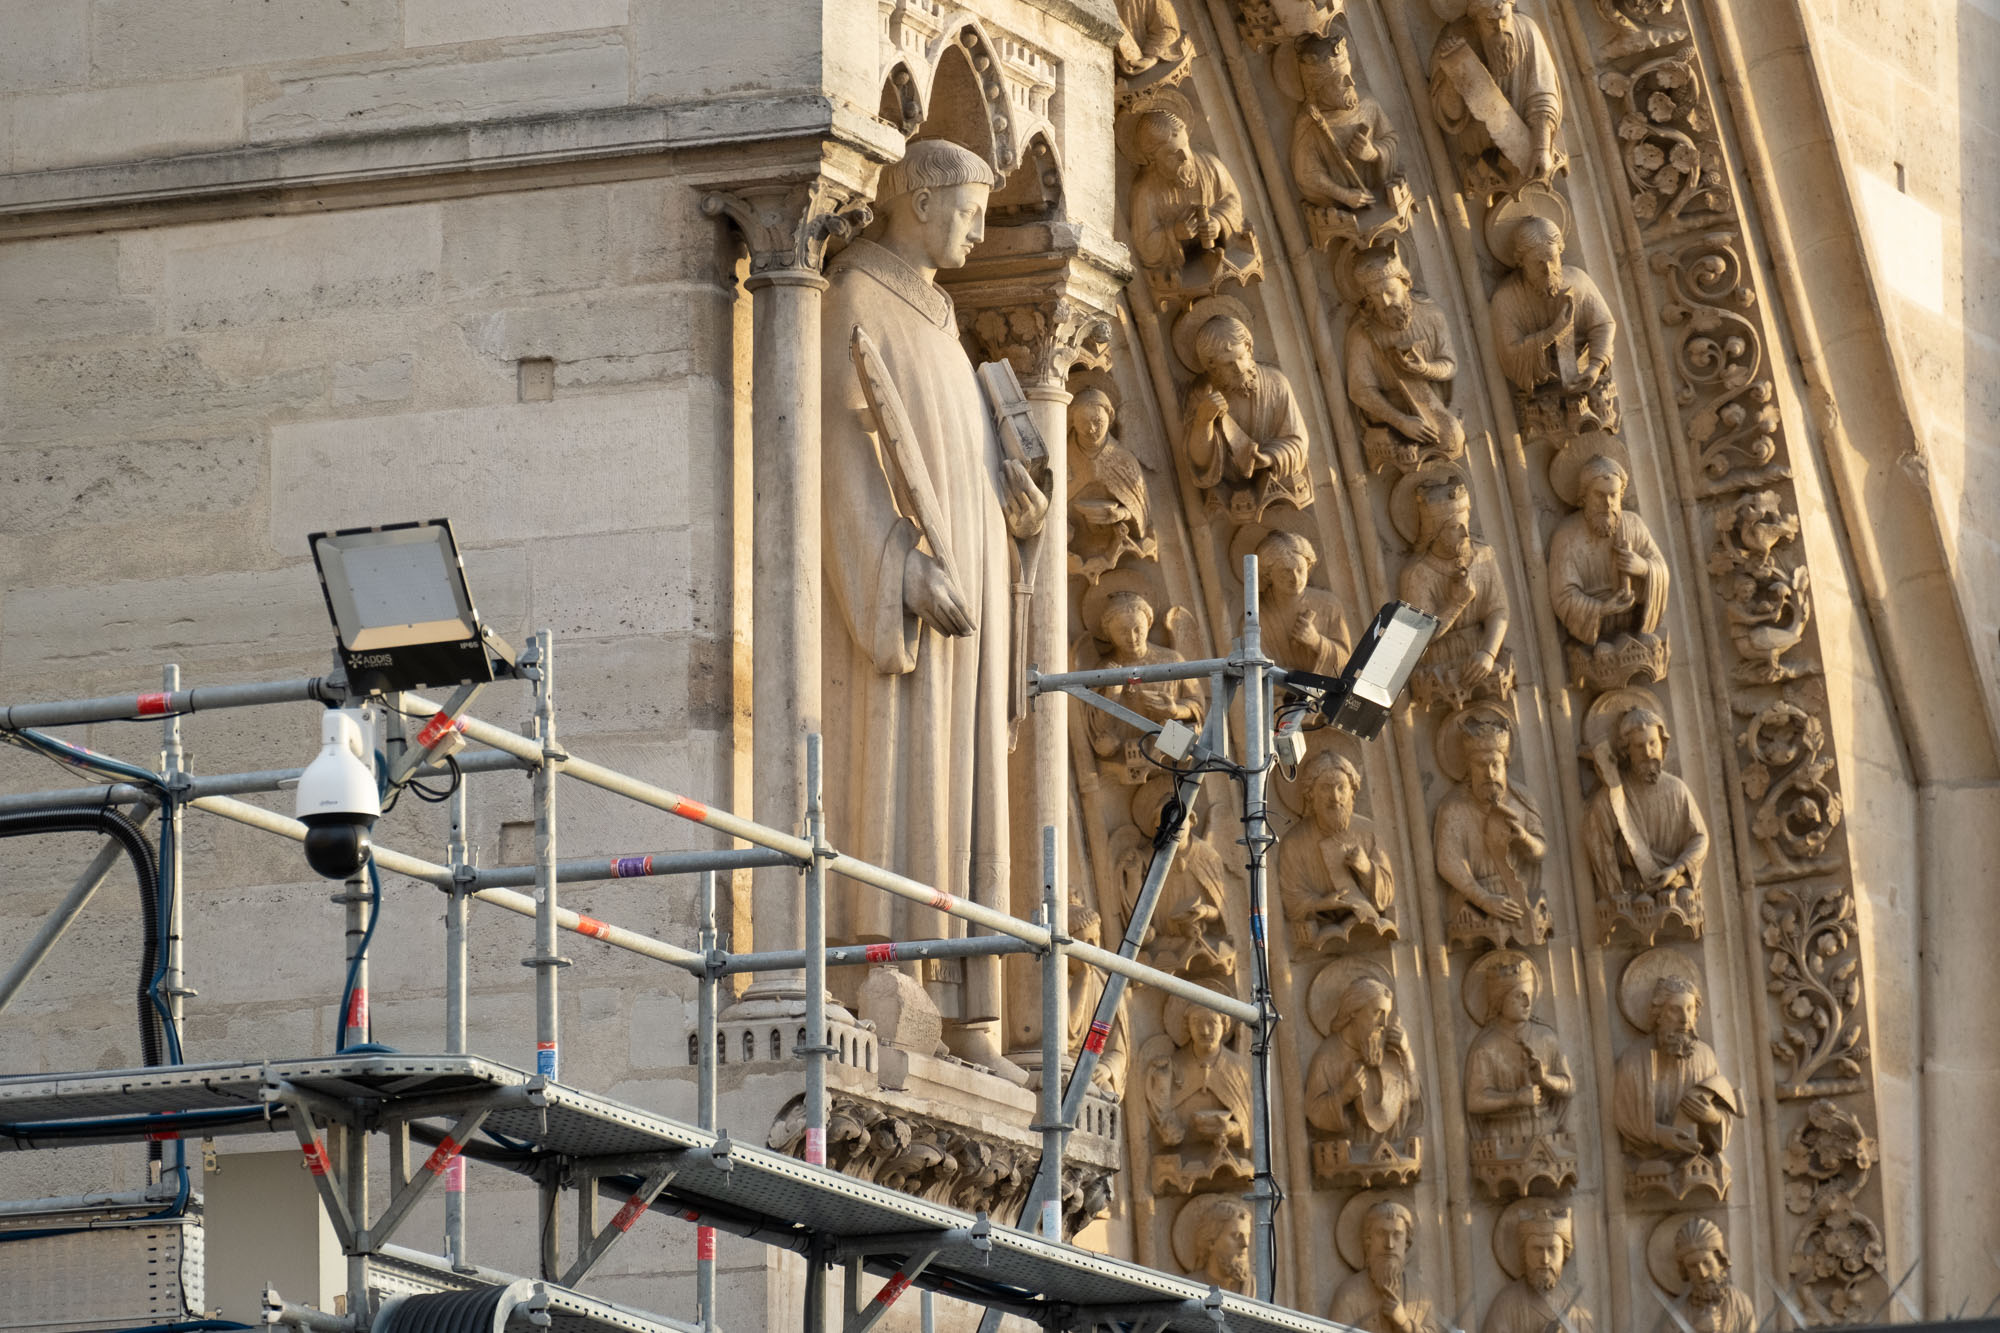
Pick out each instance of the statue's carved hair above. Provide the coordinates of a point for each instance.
(1326, 766)
(1381, 263)
(1282, 545)
(1700, 1236)
(1216, 1218)
(1549, 1221)
(1388, 1210)
(1093, 394)
(1637, 721)
(1155, 126)
(1213, 340)
(1666, 990)
(1360, 992)
(1127, 604)
(1535, 234)
(932, 164)
(1602, 468)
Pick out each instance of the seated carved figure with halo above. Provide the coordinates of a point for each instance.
(1607, 576)
(1456, 577)
(1122, 617)
(1110, 507)
(1488, 840)
(1518, 1083)
(1187, 220)
(1212, 1241)
(1534, 1240)
(1197, 1097)
(1190, 934)
(1400, 365)
(1497, 95)
(1555, 332)
(1305, 628)
(1673, 1107)
(1333, 878)
(1362, 1093)
(1344, 154)
(1241, 427)
(1643, 830)
(1689, 1257)
(1385, 1293)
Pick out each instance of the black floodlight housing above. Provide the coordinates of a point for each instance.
(1360, 698)
(401, 609)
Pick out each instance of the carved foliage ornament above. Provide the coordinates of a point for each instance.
(1667, 142)
(789, 226)
(1724, 394)
(1839, 1249)
(1815, 978)
(1788, 775)
(1045, 340)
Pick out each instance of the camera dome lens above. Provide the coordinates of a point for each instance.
(337, 850)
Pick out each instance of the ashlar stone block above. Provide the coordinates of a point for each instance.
(295, 268)
(47, 46)
(119, 124)
(436, 22)
(145, 39)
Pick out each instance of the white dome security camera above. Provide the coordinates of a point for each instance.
(337, 800)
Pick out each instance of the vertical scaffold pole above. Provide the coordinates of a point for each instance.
(815, 1042)
(1256, 843)
(459, 855)
(704, 1096)
(1055, 1034)
(546, 960)
(173, 762)
(354, 899)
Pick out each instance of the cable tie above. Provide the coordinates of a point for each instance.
(631, 867)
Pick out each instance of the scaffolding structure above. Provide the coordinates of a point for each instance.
(461, 1106)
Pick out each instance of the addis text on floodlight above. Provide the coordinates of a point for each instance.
(401, 608)
(1360, 698)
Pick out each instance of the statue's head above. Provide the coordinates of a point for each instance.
(1601, 488)
(1284, 561)
(1514, 990)
(1127, 625)
(1384, 281)
(1444, 519)
(1326, 70)
(1538, 253)
(1330, 784)
(1362, 1018)
(1672, 1010)
(1227, 352)
(1222, 1242)
(1547, 1238)
(1487, 745)
(1090, 416)
(1491, 15)
(1642, 736)
(1703, 1259)
(1761, 522)
(933, 203)
(1160, 143)
(1386, 1229)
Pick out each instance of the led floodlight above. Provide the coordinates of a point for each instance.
(1360, 698)
(401, 608)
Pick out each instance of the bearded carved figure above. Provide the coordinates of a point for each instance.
(1456, 577)
(1125, 625)
(1212, 1241)
(1517, 1083)
(1197, 1093)
(1242, 429)
(1534, 1241)
(1708, 1302)
(1344, 152)
(1151, 46)
(1608, 579)
(1497, 95)
(1110, 508)
(1400, 365)
(1190, 933)
(1488, 839)
(1333, 878)
(1186, 213)
(1385, 1297)
(1644, 833)
(1362, 1091)
(1556, 336)
(1670, 1101)
(1304, 626)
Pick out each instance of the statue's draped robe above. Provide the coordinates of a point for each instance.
(1520, 310)
(1160, 203)
(1732, 1314)
(1383, 390)
(1313, 867)
(1495, 1066)
(1387, 1106)
(1221, 1084)
(1583, 572)
(916, 722)
(1533, 87)
(1152, 32)
(1268, 414)
(1473, 846)
(1662, 813)
(1281, 616)
(1113, 475)
(1427, 584)
(1357, 1303)
(1521, 1309)
(1647, 1092)
(1324, 143)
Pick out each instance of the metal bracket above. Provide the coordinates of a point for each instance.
(416, 757)
(861, 1318)
(621, 1222)
(409, 1191)
(319, 1163)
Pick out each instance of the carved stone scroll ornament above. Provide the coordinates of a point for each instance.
(1518, 1083)
(1497, 94)
(1197, 1095)
(1672, 1105)
(1400, 364)
(1643, 832)
(1488, 839)
(1534, 1240)
(1838, 1251)
(1788, 775)
(1241, 427)
(1725, 395)
(1333, 878)
(1362, 1094)
(789, 225)
(1344, 155)
(1820, 1032)
(1456, 577)
(1186, 212)
(1212, 1241)
(1555, 332)
(1608, 579)
(1767, 604)
(1672, 158)
(1110, 504)
(1190, 934)
(1385, 1294)
(1689, 1258)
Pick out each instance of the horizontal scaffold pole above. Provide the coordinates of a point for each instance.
(228, 784)
(895, 951)
(168, 703)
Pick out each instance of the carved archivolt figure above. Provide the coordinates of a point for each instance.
(1186, 212)
(917, 643)
(1344, 154)
(1689, 1258)
(1488, 839)
(1124, 623)
(1333, 878)
(1241, 427)
(1197, 1092)
(1400, 365)
(1304, 627)
(1086, 985)
(1212, 1241)
(1456, 577)
(1497, 95)
(1768, 605)
(1533, 1240)
(1644, 833)
(1110, 509)
(1152, 49)
(1608, 579)
(1670, 1101)
(1556, 334)
(1517, 1082)
(1190, 933)
(1361, 1088)
(1374, 1234)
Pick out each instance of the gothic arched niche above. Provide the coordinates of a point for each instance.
(1033, 192)
(902, 103)
(964, 85)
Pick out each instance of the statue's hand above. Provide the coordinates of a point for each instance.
(929, 595)
(1622, 600)
(1025, 505)
(1358, 199)
(1697, 1107)
(1542, 164)
(1450, 44)
(1210, 229)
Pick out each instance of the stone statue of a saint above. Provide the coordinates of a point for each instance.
(1497, 95)
(1384, 1297)
(1212, 1241)
(1710, 1303)
(916, 661)
(1488, 839)
(1556, 335)
(1456, 577)
(1333, 879)
(1110, 509)
(1197, 1094)
(1190, 932)
(1304, 627)
(1643, 831)
(1517, 1082)
(1400, 365)
(1534, 1241)
(1362, 1091)
(1344, 153)
(1242, 429)
(1086, 985)
(1186, 213)
(1152, 48)
(1125, 626)
(1671, 1103)
(1608, 579)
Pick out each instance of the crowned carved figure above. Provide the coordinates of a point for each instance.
(1643, 831)
(1517, 1083)
(1124, 623)
(1333, 878)
(1708, 1302)
(1556, 335)
(1400, 365)
(1670, 1101)
(1361, 1088)
(1497, 95)
(1213, 1241)
(1534, 1241)
(1344, 152)
(1242, 429)
(1304, 626)
(916, 647)
(1197, 1095)
(1385, 1295)
(1190, 934)
(1487, 838)
(1186, 212)
(1608, 579)
(1455, 577)
(1110, 509)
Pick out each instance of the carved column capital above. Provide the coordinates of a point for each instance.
(1045, 339)
(787, 224)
